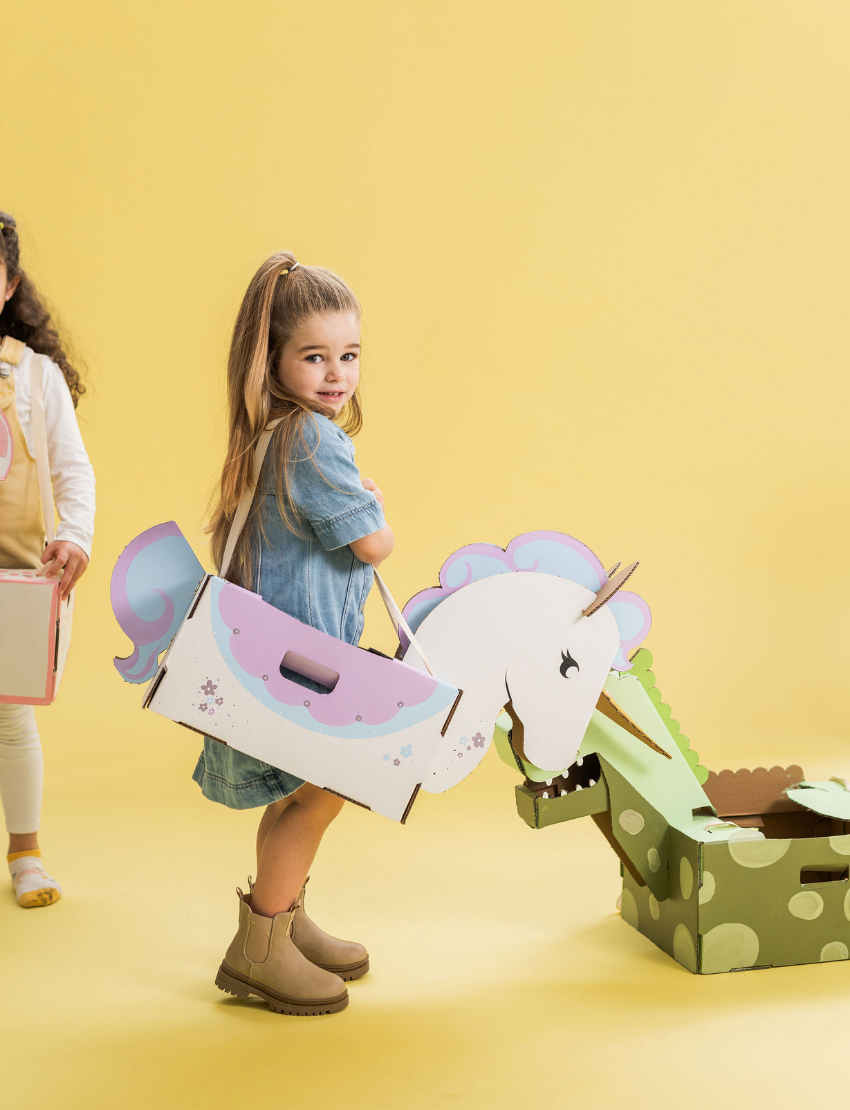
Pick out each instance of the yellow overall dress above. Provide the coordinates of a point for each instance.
(21, 524)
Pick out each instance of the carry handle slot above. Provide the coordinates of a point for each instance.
(308, 668)
(832, 874)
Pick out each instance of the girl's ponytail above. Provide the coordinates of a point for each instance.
(280, 295)
(256, 318)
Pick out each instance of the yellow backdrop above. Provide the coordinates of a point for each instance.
(602, 251)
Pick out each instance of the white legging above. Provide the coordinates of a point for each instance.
(21, 768)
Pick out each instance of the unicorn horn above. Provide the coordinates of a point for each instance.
(610, 588)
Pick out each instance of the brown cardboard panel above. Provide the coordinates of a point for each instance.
(603, 823)
(752, 793)
(581, 775)
(640, 830)
(517, 733)
(609, 708)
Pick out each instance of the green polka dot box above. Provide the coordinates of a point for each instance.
(724, 872)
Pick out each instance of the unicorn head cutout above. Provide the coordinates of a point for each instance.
(538, 625)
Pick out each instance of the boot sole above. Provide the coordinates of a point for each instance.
(231, 982)
(347, 972)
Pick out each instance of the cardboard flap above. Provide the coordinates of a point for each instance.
(669, 785)
(830, 799)
(640, 830)
(752, 793)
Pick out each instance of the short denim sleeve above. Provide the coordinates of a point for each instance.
(326, 487)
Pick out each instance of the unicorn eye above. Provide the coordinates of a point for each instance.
(568, 664)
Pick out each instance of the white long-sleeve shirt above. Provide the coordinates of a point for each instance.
(70, 469)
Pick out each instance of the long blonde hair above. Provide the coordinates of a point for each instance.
(277, 300)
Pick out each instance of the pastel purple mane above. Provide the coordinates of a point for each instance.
(535, 552)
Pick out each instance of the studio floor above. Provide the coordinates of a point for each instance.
(502, 975)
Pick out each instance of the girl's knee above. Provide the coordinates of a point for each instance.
(17, 725)
(318, 800)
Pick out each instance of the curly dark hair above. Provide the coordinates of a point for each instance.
(25, 315)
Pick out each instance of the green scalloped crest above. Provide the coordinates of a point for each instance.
(641, 662)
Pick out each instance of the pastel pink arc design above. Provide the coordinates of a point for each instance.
(7, 447)
(371, 690)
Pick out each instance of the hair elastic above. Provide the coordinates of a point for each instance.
(293, 267)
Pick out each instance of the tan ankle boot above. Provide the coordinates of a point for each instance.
(263, 960)
(345, 958)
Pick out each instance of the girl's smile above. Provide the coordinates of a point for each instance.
(321, 362)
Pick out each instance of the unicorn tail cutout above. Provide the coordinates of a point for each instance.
(152, 588)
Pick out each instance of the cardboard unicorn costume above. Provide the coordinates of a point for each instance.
(382, 728)
(370, 737)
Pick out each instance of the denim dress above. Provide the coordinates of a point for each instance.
(313, 575)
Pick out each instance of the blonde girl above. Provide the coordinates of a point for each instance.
(27, 340)
(315, 531)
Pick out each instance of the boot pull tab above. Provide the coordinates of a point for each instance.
(250, 885)
(290, 925)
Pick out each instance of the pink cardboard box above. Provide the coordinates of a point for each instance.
(35, 631)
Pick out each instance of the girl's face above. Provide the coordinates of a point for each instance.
(7, 288)
(321, 362)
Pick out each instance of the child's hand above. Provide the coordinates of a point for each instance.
(368, 484)
(65, 558)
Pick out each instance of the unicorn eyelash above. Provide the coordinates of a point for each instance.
(568, 664)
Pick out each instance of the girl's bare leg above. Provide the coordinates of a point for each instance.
(269, 817)
(23, 842)
(289, 847)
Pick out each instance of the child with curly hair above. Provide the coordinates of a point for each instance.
(31, 347)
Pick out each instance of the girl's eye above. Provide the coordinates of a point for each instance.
(349, 356)
(313, 358)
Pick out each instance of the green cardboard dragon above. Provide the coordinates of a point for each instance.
(723, 872)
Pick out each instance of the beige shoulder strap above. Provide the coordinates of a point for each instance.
(11, 352)
(244, 506)
(39, 435)
(399, 623)
(241, 515)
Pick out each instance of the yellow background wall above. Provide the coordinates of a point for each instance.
(603, 253)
